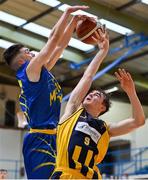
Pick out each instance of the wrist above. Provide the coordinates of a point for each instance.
(104, 50)
(68, 11)
(104, 47)
(131, 93)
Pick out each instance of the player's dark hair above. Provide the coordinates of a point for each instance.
(10, 53)
(106, 102)
(3, 170)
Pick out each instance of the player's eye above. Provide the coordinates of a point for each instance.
(97, 94)
(27, 51)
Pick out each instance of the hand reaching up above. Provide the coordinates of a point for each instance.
(126, 81)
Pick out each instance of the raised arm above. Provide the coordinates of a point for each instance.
(64, 41)
(84, 84)
(138, 117)
(34, 68)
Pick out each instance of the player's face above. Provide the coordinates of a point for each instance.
(94, 100)
(23, 56)
(3, 175)
(27, 54)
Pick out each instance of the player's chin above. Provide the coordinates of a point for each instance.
(86, 102)
(89, 102)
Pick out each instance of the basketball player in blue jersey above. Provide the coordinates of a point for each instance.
(41, 94)
(82, 138)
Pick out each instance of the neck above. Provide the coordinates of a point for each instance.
(92, 113)
(17, 66)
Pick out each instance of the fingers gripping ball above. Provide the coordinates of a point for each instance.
(86, 29)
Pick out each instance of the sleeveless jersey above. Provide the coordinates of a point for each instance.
(40, 101)
(82, 143)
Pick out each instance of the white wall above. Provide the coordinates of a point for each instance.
(120, 111)
(10, 143)
(10, 149)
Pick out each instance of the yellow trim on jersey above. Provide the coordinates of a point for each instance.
(26, 114)
(44, 151)
(24, 105)
(78, 165)
(64, 131)
(68, 173)
(20, 83)
(88, 157)
(90, 173)
(76, 154)
(43, 164)
(22, 96)
(44, 131)
(103, 145)
(21, 86)
(47, 144)
(69, 118)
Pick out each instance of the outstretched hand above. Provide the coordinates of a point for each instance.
(102, 38)
(126, 81)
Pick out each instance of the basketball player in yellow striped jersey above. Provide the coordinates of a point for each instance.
(82, 138)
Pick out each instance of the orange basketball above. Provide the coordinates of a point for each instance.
(85, 29)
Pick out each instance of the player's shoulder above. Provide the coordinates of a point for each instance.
(69, 116)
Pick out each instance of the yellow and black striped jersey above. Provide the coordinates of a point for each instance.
(82, 142)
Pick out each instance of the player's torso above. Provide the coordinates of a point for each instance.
(82, 143)
(40, 101)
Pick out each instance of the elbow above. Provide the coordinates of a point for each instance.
(140, 123)
(142, 120)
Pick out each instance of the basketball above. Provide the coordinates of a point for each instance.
(86, 28)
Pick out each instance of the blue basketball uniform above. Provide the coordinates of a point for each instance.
(40, 101)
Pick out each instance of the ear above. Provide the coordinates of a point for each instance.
(103, 108)
(20, 61)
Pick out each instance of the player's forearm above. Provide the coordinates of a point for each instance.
(57, 37)
(53, 58)
(62, 44)
(80, 92)
(57, 34)
(60, 25)
(64, 40)
(68, 33)
(96, 62)
(90, 72)
(53, 41)
(138, 113)
(85, 83)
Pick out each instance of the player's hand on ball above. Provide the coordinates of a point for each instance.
(80, 17)
(102, 38)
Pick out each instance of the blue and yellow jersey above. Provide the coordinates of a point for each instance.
(82, 143)
(40, 101)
